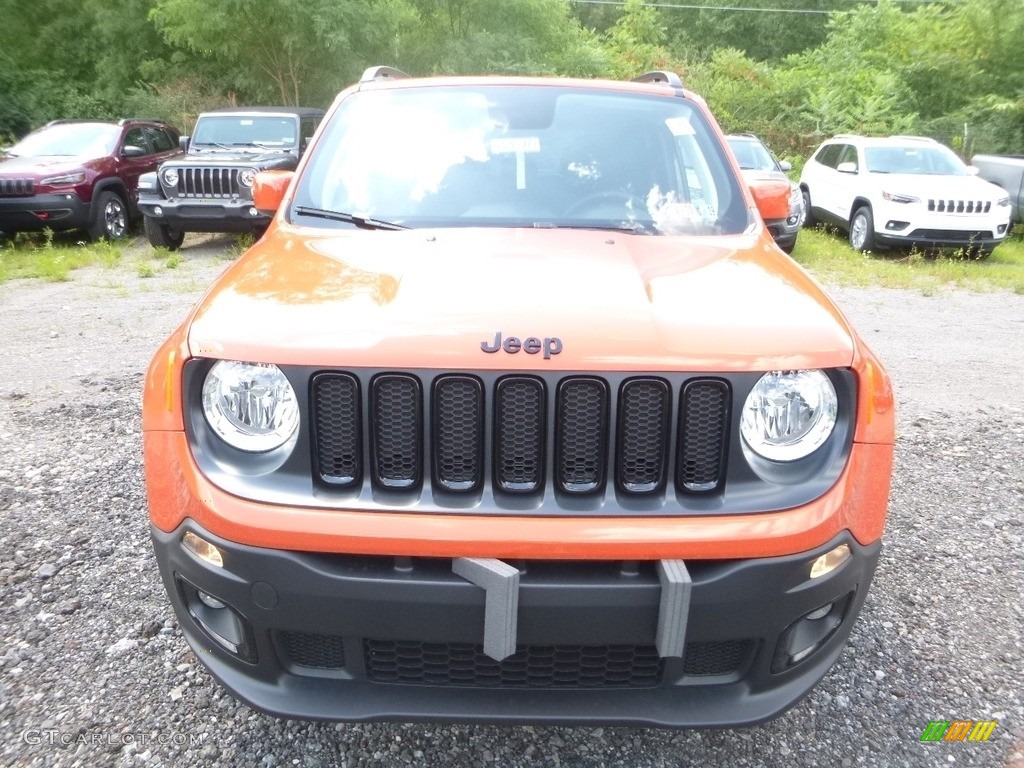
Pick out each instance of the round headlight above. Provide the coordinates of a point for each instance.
(245, 177)
(251, 406)
(169, 176)
(789, 414)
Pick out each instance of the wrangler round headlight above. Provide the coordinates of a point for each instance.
(789, 414)
(245, 177)
(169, 176)
(251, 406)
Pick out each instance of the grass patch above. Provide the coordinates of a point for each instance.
(146, 270)
(829, 256)
(47, 257)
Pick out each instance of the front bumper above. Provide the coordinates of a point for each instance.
(348, 637)
(204, 214)
(33, 214)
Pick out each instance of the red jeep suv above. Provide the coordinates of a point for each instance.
(81, 174)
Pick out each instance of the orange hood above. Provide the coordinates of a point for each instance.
(431, 298)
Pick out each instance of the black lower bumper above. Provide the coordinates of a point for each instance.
(216, 215)
(337, 637)
(33, 214)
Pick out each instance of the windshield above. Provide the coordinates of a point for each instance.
(245, 131)
(69, 139)
(752, 155)
(521, 156)
(935, 160)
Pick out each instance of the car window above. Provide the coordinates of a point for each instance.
(160, 139)
(69, 139)
(307, 128)
(829, 155)
(246, 131)
(136, 137)
(914, 160)
(752, 155)
(521, 156)
(849, 155)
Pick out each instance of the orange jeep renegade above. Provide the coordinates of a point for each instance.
(517, 414)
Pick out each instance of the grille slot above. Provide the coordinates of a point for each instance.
(703, 422)
(951, 235)
(519, 439)
(458, 433)
(715, 658)
(643, 435)
(397, 431)
(317, 651)
(17, 187)
(208, 182)
(582, 435)
(531, 666)
(338, 429)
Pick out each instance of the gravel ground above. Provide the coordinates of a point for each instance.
(94, 671)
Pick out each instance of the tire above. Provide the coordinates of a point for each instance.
(808, 219)
(162, 236)
(862, 230)
(109, 217)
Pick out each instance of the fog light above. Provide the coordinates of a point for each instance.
(812, 616)
(158, 210)
(897, 224)
(202, 549)
(253, 212)
(212, 602)
(831, 560)
(1001, 228)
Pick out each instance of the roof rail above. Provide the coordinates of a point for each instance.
(928, 139)
(660, 76)
(126, 120)
(382, 73)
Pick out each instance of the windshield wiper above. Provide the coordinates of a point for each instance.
(362, 222)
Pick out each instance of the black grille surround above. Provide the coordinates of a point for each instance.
(203, 181)
(563, 443)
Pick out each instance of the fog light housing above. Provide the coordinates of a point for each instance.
(810, 633)
(221, 623)
(253, 212)
(1000, 229)
(896, 225)
(158, 210)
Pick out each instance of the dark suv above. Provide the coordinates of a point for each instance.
(81, 174)
(210, 189)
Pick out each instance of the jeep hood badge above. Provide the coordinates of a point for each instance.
(531, 345)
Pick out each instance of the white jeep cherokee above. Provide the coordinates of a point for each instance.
(901, 192)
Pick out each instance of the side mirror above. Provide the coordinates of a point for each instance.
(130, 150)
(771, 198)
(268, 190)
(973, 170)
(183, 142)
(847, 167)
(785, 166)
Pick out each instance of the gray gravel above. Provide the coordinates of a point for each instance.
(94, 671)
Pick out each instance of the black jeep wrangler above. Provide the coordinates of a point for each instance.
(210, 188)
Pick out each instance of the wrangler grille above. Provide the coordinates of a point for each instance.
(530, 434)
(209, 182)
(959, 206)
(17, 187)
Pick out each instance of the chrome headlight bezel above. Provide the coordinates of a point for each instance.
(251, 407)
(788, 415)
(169, 177)
(246, 176)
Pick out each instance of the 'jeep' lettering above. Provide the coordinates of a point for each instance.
(549, 345)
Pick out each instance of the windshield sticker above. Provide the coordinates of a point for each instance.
(245, 122)
(515, 144)
(680, 126)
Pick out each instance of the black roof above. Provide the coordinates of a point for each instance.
(300, 111)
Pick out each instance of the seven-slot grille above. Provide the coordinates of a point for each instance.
(503, 434)
(17, 187)
(959, 206)
(208, 182)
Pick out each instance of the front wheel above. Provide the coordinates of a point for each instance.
(862, 230)
(163, 236)
(807, 218)
(109, 217)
